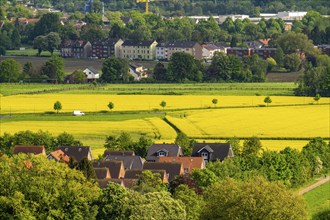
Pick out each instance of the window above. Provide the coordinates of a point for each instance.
(161, 154)
(205, 154)
(186, 170)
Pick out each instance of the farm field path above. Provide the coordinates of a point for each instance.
(313, 186)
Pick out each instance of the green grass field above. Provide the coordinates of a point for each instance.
(318, 199)
(29, 52)
(236, 89)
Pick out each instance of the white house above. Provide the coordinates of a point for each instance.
(91, 74)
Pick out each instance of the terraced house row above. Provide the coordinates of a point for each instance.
(153, 50)
(125, 167)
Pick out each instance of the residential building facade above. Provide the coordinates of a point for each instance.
(76, 49)
(165, 50)
(143, 50)
(106, 48)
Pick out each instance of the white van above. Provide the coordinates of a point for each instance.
(78, 113)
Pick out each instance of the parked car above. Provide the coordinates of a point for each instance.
(78, 113)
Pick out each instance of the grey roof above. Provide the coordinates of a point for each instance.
(172, 169)
(113, 166)
(173, 150)
(145, 43)
(130, 162)
(106, 42)
(211, 46)
(101, 173)
(95, 71)
(77, 152)
(179, 44)
(118, 153)
(219, 150)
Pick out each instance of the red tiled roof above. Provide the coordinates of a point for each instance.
(187, 162)
(60, 155)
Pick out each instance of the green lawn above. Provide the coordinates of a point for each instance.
(318, 199)
(240, 89)
(29, 52)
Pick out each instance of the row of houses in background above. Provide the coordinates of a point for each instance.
(124, 167)
(152, 50)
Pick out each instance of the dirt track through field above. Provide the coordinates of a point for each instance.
(313, 186)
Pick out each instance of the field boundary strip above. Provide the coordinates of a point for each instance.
(260, 138)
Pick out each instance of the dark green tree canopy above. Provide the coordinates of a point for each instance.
(115, 70)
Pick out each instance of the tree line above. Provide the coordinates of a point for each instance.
(179, 8)
(142, 26)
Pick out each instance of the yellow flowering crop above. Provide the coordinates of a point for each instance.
(97, 102)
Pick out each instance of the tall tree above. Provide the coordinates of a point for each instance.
(48, 23)
(54, 69)
(115, 70)
(53, 42)
(182, 67)
(9, 70)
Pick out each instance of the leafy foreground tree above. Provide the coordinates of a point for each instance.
(253, 199)
(117, 202)
(34, 187)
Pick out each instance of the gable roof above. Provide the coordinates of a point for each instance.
(130, 162)
(145, 43)
(102, 173)
(187, 162)
(36, 150)
(77, 152)
(118, 153)
(59, 155)
(92, 69)
(174, 150)
(219, 150)
(172, 169)
(114, 167)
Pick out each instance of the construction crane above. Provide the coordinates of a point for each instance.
(147, 3)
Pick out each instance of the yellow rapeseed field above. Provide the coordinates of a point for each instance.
(274, 145)
(289, 121)
(93, 133)
(97, 102)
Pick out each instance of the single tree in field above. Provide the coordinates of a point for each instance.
(267, 100)
(111, 105)
(317, 98)
(163, 104)
(57, 106)
(215, 102)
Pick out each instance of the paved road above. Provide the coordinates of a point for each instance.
(313, 186)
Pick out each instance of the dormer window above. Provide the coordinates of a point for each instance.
(161, 154)
(66, 149)
(205, 154)
(79, 149)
